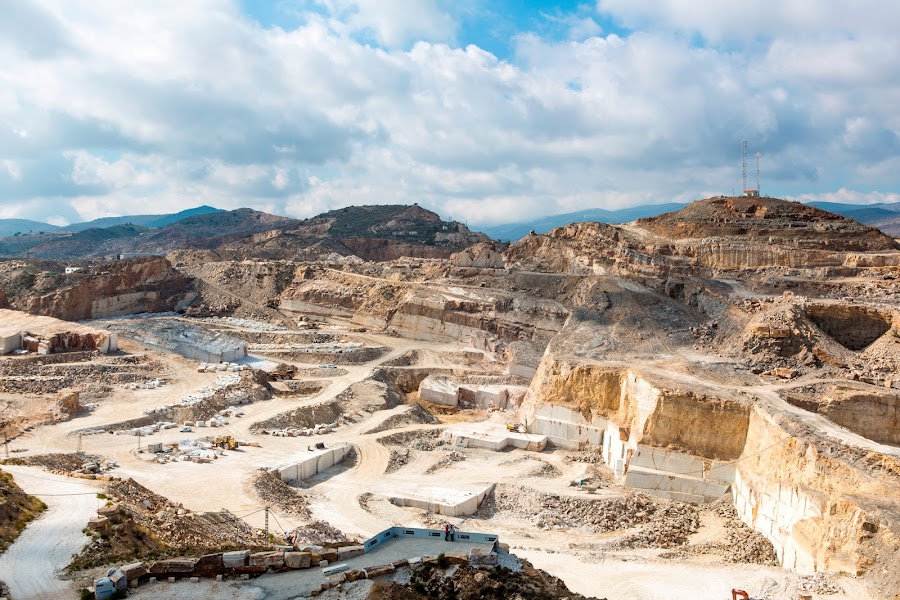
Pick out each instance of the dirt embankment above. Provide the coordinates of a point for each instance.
(351, 405)
(142, 525)
(17, 509)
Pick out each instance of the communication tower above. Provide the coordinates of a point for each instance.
(751, 193)
(758, 189)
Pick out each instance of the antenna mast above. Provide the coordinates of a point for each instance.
(757, 174)
(744, 164)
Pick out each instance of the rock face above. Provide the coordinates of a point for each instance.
(485, 255)
(116, 288)
(483, 318)
(68, 403)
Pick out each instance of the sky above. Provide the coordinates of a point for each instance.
(484, 111)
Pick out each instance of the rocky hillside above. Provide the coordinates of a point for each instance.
(377, 233)
(88, 243)
(206, 230)
(707, 237)
(769, 220)
(103, 290)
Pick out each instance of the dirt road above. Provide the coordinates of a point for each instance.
(31, 566)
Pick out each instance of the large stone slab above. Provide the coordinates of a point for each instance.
(297, 560)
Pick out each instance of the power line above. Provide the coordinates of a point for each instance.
(17, 474)
(251, 513)
(732, 462)
(280, 526)
(289, 522)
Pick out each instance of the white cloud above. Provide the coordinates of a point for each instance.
(850, 197)
(392, 23)
(169, 105)
(730, 21)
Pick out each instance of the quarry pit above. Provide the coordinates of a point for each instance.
(613, 419)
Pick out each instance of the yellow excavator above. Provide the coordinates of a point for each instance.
(226, 442)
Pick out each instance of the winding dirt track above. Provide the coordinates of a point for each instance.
(32, 564)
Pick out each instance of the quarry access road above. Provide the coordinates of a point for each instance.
(32, 565)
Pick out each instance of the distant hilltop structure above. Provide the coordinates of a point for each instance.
(752, 193)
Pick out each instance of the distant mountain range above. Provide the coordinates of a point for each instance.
(202, 227)
(208, 227)
(10, 227)
(885, 216)
(512, 231)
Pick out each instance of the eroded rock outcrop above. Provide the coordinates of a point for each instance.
(111, 289)
(486, 255)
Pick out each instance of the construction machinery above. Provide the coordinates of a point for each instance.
(226, 442)
(517, 427)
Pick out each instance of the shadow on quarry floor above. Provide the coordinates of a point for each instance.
(323, 476)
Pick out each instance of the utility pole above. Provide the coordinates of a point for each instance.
(6, 443)
(267, 524)
(139, 439)
(78, 448)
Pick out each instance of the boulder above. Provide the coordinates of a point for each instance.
(482, 557)
(173, 565)
(377, 571)
(457, 558)
(330, 554)
(297, 560)
(274, 559)
(133, 570)
(108, 510)
(238, 558)
(210, 564)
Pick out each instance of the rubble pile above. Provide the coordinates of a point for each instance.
(471, 583)
(744, 545)
(819, 583)
(319, 533)
(600, 515)
(415, 415)
(177, 527)
(399, 459)
(452, 456)
(589, 456)
(66, 463)
(427, 437)
(317, 429)
(425, 445)
(545, 470)
(741, 544)
(286, 499)
(669, 527)
(213, 410)
(46, 376)
(221, 367)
